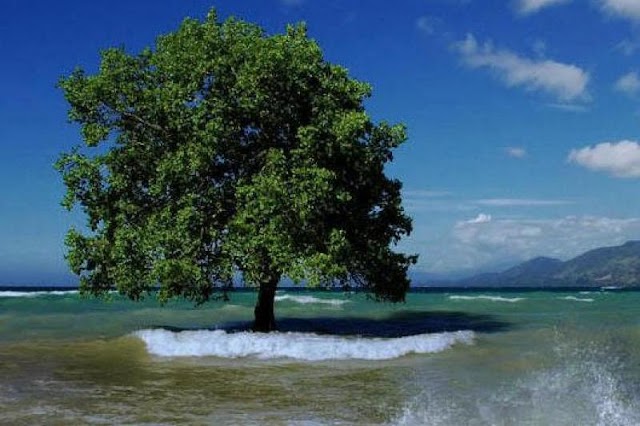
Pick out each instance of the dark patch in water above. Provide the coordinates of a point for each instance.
(397, 325)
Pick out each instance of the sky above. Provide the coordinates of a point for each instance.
(523, 116)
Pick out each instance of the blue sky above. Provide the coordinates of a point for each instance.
(523, 116)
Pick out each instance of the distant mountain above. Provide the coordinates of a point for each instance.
(606, 266)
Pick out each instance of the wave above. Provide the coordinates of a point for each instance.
(577, 299)
(310, 299)
(232, 307)
(491, 298)
(297, 346)
(587, 384)
(36, 293)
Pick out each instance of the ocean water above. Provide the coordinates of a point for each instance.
(442, 358)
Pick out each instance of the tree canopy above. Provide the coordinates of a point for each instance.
(224, 150)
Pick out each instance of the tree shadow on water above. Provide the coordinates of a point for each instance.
(396, 325)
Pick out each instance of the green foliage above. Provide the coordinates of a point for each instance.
(221, 151)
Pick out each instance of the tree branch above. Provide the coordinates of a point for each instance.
(145, 122)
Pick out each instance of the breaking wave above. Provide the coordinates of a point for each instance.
(588, 384)
(36, 293)
(577, 299)
(305, 300)
(490, 298)
(297, 346)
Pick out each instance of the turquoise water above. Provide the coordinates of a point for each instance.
(443, 358)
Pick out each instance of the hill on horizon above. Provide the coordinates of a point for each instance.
(604, 266)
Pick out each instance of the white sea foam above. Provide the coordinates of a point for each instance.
(577, 299)
(298, 346)
(305, 300)
(36, 293)
(585, 386)
(232, 307)
(490, 298)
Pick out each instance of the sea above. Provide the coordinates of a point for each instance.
(445, 357)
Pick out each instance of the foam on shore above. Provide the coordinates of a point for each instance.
(305, 300)
(577, 299)
(489, 298)
(36, 293)
(297, 346)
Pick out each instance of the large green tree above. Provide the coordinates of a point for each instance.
(224, 151)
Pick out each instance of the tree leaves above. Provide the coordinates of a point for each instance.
(224, 151)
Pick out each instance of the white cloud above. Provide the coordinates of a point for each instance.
(561, 238)
(620, 159)
(566, 82)
(527, 7)
(515, 152)
(629, 9)
(481, 218)
(520, 202)
(500, 233)
(470, 246)
(629, 84)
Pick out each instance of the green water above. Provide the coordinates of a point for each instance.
(532, 358)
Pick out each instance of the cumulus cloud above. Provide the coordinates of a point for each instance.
(563, 238)
(520, 202)
(500, 233)
(515, 152)
(565, 82)
(528, 7)
(619, 159)
(471, 246)
(629, 9)
(629, 84)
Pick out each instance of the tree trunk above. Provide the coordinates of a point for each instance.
(265, 320)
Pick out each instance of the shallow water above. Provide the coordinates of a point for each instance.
(446, 358)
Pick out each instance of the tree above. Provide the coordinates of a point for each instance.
(226, 151)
